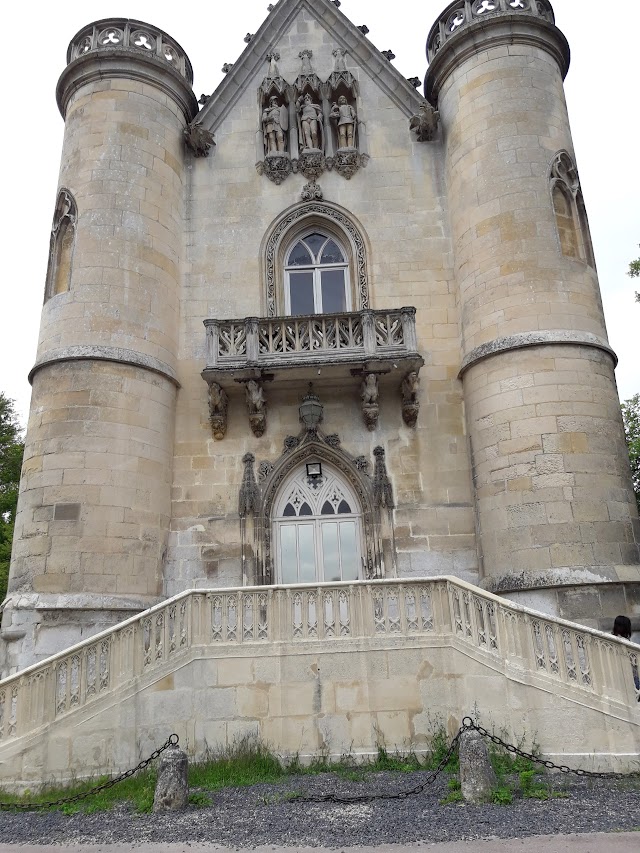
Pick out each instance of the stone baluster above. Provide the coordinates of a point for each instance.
(408, 316)
(368, 332)
(251, 330)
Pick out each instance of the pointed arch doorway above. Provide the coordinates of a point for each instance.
(317, 528)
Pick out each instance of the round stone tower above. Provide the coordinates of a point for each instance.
(556, 518)
(94, 508)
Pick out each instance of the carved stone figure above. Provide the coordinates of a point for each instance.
(425, 123)
(305, 56)
(257, 406)
(310, 125)
(198, 139)
(275, 124)
(345, 115)
(339, 63)
(218, 405)
(369, 396)
(410, 404)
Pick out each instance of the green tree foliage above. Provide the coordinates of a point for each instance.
(631, 417)
(11, 451)
(634, 272)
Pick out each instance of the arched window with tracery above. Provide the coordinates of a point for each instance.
(317, 527)
(316, 276)
(61, 246)
(570, 213)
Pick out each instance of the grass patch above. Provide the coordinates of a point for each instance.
(454, 794)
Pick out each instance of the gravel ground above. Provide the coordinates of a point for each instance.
(261, 815)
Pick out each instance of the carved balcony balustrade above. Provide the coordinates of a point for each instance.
(319, 347)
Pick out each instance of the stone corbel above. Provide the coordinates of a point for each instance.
(218, 405)
(198, 139)
(369, 393)
(410, 403)
(425, 123)
(257, 407)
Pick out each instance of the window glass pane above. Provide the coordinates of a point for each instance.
(344, 508)
(306, 553)
(332, 254)
(289, 511)
(315, 242)
(299, 256)
(305, 509)
(328, 509)
(330, 553)
(301, 293)
(288, 556)
(333, 292)
(349, 551)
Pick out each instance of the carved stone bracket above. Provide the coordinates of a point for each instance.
(198, 139)
(410, 404)
(249, 498)
(311, 164)
(218, 405)
(369, 393)
(425, 123)
(347, 161)
(257, 407)
(382, 488)
(277, 167)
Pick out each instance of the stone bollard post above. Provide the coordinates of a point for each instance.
(477, 779)
(172, 787)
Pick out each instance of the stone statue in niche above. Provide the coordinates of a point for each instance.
(310, 127)
(410, 404)
(344, 114)
(275, 124)
(218, 405)
(257, 406)
(369, 396)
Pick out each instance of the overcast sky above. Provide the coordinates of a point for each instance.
(602, 91)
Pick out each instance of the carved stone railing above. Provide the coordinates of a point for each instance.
(462, 13)
(274, 341)
(541, 650)
(122, 33)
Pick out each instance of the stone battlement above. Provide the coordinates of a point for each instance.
(462, 13)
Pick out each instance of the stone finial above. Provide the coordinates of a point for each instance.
(306, 56)
(198, 139)
(388, 54)
(248, 37)
(172, 787)
(273, 58)
(415, 82)
(249, 498)
(425, 123)
(477, 779)
(226, 68)
(364, 29)
(382, 488)
(339, 62)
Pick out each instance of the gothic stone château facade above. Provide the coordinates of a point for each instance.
(425, 264)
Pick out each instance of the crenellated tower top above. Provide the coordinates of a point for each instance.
(130, 49)
(466, 26)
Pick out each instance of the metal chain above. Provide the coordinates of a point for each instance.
(172, 740)
(401, 795)
(468, 723)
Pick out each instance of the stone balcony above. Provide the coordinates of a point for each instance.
(306, 348)
(361, 351)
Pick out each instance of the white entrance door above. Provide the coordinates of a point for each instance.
(317, 530)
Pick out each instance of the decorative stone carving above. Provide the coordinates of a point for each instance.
(198, 139)
(273, 82)
(347, 162)
(564, 170)
(369, 396)
(248, 38)
(226, 68)
(410, 404)
(275, 124)
(311, 164)
(382, 488)
(312, 192)
(425, 123)
(249, 498)
(310, 127)
(389, 55)
(218, 405)
(307, 79)
(333, 440)
(340, 74)
(290, 443)
(416, 82)
(339, 63)
(257, 406)
(264, 469)
(345, 115)
(362, 464)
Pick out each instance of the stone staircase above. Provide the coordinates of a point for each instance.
(330, 668)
